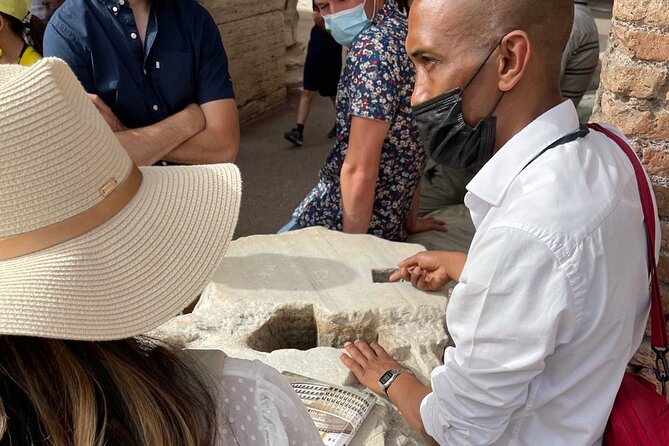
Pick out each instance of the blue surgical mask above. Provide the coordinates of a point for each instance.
(346, 25)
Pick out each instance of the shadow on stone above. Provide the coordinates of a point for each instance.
(280, 272)
(289, 327)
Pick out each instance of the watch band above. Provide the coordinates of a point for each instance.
(394, 373)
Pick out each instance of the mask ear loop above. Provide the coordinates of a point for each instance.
(483, 64)
(496, 105)
(487, 117)
(477, 73)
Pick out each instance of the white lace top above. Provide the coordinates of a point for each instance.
(256, 405)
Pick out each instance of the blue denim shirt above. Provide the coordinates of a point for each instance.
(181, 62)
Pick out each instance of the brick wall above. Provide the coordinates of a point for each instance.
(634, 96)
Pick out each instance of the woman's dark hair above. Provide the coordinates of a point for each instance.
(32, 32)
(131, 392)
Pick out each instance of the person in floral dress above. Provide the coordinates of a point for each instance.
(368, 182)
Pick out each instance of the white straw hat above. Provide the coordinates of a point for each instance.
(92, 248)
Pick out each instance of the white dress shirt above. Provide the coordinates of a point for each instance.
(553, 300)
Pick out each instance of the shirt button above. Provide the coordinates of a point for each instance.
(115, 9)
(133, 35)
(144, 70)
(155, 108)
(121, 2)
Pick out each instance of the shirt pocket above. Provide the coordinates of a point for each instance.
(176, 77)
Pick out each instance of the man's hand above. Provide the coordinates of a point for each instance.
(368, 362)
(424, 224)
(110, 118)
(431, 270)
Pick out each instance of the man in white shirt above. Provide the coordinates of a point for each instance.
(552, 299)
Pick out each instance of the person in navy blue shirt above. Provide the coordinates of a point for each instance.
(157, 72)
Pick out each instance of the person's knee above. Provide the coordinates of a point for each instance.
(308, 93)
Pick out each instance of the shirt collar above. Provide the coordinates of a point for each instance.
(495, 177)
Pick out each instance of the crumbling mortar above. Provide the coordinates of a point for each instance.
(639, 26)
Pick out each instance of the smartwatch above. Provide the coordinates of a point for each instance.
(390, 376)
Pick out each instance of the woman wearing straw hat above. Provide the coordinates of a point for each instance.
(93, 253)
(18, 36)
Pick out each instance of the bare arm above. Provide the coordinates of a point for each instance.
(360, 172)
(147, 145)
(406, 393)
(369, 362)
(218, 142)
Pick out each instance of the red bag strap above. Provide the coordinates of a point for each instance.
(658, 321)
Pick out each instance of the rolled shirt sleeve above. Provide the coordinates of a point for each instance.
(512, 309)
(60, 41)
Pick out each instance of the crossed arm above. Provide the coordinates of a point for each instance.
(203, 134)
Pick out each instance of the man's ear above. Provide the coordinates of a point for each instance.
(515, 51)
(3, 22)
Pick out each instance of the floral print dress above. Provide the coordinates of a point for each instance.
(377, 83)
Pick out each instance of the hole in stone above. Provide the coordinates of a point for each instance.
(382, 275)
(288, 328)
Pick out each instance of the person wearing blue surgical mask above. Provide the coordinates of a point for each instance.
(370, 178)
(345, 25)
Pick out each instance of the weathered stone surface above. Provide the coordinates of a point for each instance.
(636, 117)
(257, 61)
(258, 36)
(651, 12)
(645, 44)
(656, 160)
(301, 22)
(625, 76)
(227, 11)
(292, 300)
(662, 198)
(663, 267)
(665, 235)
(291, 17)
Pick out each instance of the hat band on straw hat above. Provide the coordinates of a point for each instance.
(116, 197)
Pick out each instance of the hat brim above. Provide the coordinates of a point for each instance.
(134, 272)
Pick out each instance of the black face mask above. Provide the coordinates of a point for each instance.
(446, 138)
